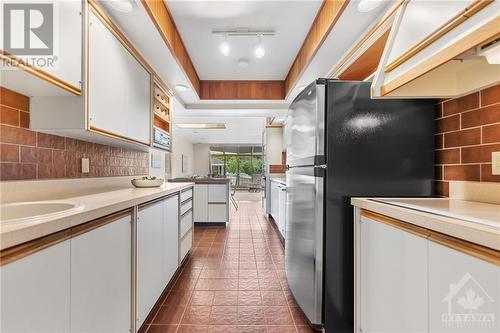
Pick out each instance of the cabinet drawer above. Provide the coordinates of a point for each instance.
(217, 213)
(185, 245)
(186, 223)
(186, 194)
(186, 206)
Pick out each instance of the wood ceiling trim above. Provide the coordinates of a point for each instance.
(222, 89)
(161, 17)
(368, 62)
(326, 18)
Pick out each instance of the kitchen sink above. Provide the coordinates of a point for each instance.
(33, 210)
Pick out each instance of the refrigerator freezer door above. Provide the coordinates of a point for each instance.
(305, 134)
(304, 240)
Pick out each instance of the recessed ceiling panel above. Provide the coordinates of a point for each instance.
(290, 20)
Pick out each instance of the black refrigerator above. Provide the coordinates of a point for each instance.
(341, 144)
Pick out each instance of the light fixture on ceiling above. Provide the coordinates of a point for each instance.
(260, 51)
(491, 52)
(181, 87)
(224, 47)
(243, 63)
(368, 5)
(201, 125)
(123, 6)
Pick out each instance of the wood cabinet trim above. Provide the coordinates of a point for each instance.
(217, 203)
(458, 19)
(102, 221)
(481, 252)
(379, 25)
(45, 76)
(28, 248)
(116, 136)
(488, 31)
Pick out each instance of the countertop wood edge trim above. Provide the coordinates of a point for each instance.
(481, 252)
(20, 251)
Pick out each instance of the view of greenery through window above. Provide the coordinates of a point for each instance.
(242, 164)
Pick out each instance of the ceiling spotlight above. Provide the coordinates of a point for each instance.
(243, 63)
(224, 47)
(260, 51)
(368, 5)
(123, 6)
(181, 87)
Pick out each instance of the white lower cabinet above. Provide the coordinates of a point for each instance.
(35, 292)
(282, 209)
(463, 290)
(393, 269)
(149, 258)
(217, 212)
(101, 278)
(170, 241)
(410, 279)
(200, 203)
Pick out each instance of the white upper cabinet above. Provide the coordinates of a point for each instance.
(119, 86)
(437, 49)
(55, 53)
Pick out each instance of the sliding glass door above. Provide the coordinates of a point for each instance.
(241, 164)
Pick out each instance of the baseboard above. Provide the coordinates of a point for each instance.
(209, 224)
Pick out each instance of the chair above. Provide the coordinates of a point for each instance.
(256, 184)
(233, 192)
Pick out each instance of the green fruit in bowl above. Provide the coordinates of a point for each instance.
(149, 178)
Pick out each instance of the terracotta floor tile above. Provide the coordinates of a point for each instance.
(224, 315)
(226, 298)
(201, 297)
(192, 329)
(249, 297)
(298, 316)
(278, 315)
(177, 297)
(281, 329)
(276, 298)
(248, 284)
(251, 315)
(168, 315)
(196, 315)
(162, 328)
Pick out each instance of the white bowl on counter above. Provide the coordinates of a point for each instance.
(138, 182)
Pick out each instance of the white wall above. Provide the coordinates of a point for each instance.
(201, 159)
(274, 145)
(180, 146)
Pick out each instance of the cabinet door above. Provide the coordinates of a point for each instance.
(217, 193)
(200, 203)
(101, 278)
(119, 87)
(217, 213)
(275, 201)
(464, 292)
(35, 292)
(282, 210)
(171, 238)
(393, 281)
(149, 258)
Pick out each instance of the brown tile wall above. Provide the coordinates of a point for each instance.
(26, 154)
(467, 132)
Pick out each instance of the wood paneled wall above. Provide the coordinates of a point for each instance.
(242, 90)
(327, 16)
(161, 17)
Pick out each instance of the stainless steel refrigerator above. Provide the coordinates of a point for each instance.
(340, 144)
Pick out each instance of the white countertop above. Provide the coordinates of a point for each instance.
(475, 222)
(93, 206)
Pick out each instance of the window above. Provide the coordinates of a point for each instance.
(242, 164)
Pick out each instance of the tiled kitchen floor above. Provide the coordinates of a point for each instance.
(234, 281)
